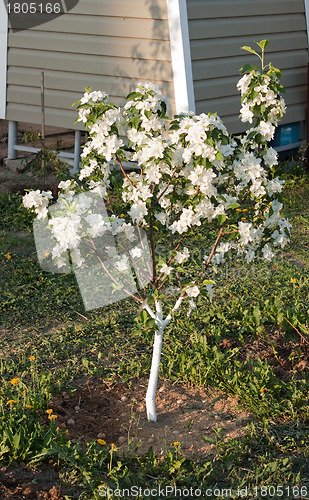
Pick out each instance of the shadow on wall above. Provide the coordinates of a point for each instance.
(153, 58)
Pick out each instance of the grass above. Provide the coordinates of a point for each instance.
(252, 341)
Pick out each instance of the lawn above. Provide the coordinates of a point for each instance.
(248, 349)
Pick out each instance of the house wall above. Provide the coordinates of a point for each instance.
(3, 58)
(107, 45)
(218, 28)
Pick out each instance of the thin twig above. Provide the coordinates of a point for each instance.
(113, 279)
(122, 170)
(81, 315)
(304, 339)
(168, 184)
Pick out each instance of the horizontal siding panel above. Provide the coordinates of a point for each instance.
(296, 113)
(232, 103)
(224, 47)
(218, 29)
(91, 44)
(32, 96)
(32, 114)
(156, 9)
(58, 99)
(100, 65)
(76, 82)
(258, 26)
(101, 25)
(53, 117)
(24, 105)
(218, 87)
(228, 66)
(201, 9)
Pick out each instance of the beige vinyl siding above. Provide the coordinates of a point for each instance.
(109, 46)
(217, 31)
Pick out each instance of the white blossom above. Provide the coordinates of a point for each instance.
(165, 269)
(181, 257)
(192, 291)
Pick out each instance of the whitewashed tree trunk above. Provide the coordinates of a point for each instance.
(156, 354)
(153, 379)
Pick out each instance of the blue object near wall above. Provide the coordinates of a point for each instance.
(286, 134)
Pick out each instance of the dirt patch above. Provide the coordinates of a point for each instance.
(95, 409)
(286, 357)
(20, 481)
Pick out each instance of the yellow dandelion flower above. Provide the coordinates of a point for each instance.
(238, 209)
(52, 417)
(114, 447)
(29, 407)
(31, 358)
(177, 443)
(8, 256)
(245, 210)
(11, 402)
(46, 255)
(292, 280)
(263, 389)
(101, 442)
(243, 218)
(122, 215)
(49, 411)
(15, 381)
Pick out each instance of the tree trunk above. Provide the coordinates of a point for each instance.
(156, 354)
(154, 373)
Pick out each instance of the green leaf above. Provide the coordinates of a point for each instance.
(4, 449)
(248, 49)
(16, 441)
(251, 135)
(262, 44)
(209, 282)
(148, 114)
(144, 316)
(134, 95)
(164, 108)
(208, 439)
(257, 315)
(174, 126)
(219, 156)
(248, 68)
(221, 218)
(233, 205)
(150, 323)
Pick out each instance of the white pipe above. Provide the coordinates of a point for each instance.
(30, 149)
(12, 140)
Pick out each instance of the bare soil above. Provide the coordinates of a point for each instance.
(117, 414)
(95, 409)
